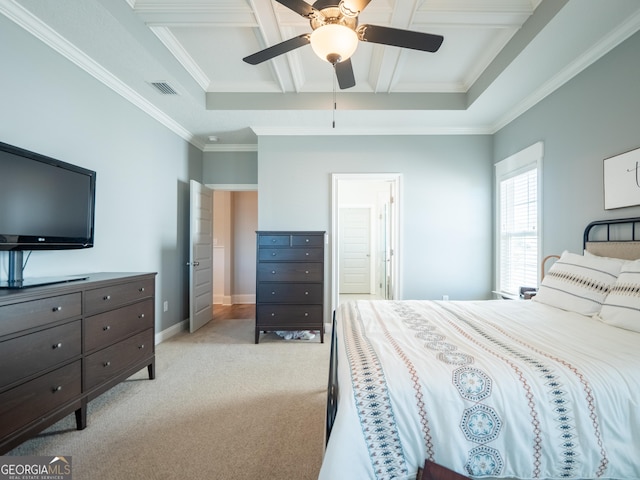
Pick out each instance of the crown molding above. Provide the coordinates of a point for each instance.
(178, 51)
(29, 22)
(608, 43)
(239, 147)
(380, 131)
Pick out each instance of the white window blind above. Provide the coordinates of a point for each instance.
(518, 231)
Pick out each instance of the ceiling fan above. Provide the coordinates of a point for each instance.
(336, 34)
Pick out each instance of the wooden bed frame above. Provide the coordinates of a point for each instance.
(607, 238)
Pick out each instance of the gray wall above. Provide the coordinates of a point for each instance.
(230, 168)
(445, 203)
(244, 223)
(594, 116)
(52, 107)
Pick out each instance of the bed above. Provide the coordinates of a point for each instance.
(545, 388)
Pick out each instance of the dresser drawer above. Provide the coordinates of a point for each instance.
(24, 404)
(290, 272)
(303, 293)
(300, 240)
(106, 328)
(302, 316)
(107, 363)
(106, 298)
(35, 313)
(29, 354)
(290, 254)
(274, 240)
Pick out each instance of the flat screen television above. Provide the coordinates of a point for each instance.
(45, 204)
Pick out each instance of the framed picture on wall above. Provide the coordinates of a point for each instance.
(622, 180)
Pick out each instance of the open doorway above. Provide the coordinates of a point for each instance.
(365, 225)
(235, 221)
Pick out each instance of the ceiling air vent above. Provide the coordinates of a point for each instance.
(164, 88)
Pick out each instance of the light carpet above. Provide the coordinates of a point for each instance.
(220, 407)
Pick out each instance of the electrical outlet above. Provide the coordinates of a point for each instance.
(165, 306)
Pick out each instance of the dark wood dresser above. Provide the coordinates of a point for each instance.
(290, 281)
(62, 345)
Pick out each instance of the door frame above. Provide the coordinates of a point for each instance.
(340, 180)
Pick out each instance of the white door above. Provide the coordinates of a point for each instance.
(355, 250)
(200, 256)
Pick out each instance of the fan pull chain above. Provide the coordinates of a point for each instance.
(334, 96)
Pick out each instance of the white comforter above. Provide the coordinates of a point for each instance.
(492, 389)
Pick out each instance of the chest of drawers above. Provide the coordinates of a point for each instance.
(289, 281)
(63, 345)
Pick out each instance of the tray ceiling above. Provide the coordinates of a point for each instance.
(181, 61)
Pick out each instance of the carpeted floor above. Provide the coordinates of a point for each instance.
(220, 407)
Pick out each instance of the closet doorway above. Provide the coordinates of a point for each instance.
(365, 225)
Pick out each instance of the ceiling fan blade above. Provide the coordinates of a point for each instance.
(278, 49)
(426, 42)
(299, 6)
(344, 74)
(353, 7)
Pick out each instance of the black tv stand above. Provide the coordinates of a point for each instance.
(15, 278)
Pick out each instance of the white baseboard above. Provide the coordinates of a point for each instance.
(172, 331)
(234, 299)
(222, 300)
(244, 298)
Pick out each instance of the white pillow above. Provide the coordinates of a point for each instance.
(621, 308)
(577, 283)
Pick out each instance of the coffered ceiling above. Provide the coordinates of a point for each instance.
(181, 61)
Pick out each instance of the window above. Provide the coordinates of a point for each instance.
(518, 236)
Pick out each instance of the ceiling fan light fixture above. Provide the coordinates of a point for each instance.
(334, 43)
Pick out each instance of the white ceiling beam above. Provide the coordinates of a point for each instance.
(272, 34)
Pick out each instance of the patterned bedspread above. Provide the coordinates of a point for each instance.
(492, 389)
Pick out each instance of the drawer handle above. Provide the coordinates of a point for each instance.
(106, 364)
(106, 297)
(273, 240)
(306, 240)
(57, 309)
(141, 289)
(57, 389)
(273, 314)
(141, 346)
(141, 315)
(306, 271)
(306, 253)
(273, 254)
(306, 314)
(273, 272)
(273, 293)
(57, 345)
(106, 327)
(306, 293)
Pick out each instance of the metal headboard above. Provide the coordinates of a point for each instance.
(608, 223)
(615, 238)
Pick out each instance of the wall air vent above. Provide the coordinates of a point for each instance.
(164, 88)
